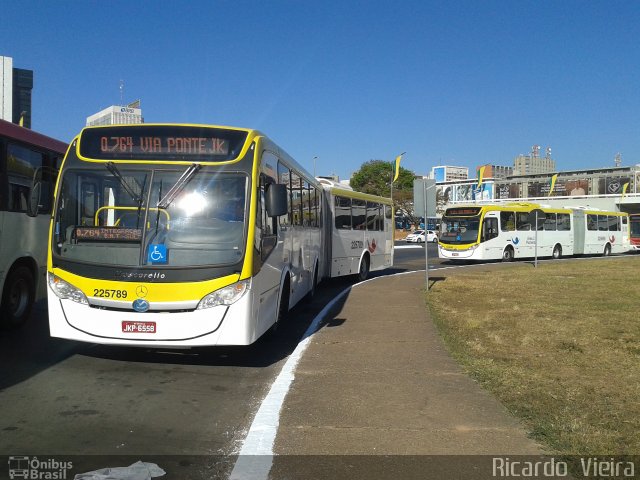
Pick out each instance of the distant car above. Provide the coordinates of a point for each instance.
(419, 237)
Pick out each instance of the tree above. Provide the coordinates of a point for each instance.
(374, 177)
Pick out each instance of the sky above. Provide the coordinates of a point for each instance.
(460, 83)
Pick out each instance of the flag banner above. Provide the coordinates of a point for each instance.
(397, 168)
(552, 183)
(481, 175)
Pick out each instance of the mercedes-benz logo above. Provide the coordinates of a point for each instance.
(141, 291)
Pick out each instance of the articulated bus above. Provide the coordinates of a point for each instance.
(634, 231)
(361, 232)
(26, 157)
(185, 235)
(508, 231)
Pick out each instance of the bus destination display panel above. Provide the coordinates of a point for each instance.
(161, 143)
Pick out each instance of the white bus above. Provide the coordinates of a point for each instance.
(25, 157)
(362, 232)
(182, 235)
(507, 231)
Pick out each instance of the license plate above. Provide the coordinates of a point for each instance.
(138, 327)
(455, 254)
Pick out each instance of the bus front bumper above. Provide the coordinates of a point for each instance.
(451, 254)
(220, 325)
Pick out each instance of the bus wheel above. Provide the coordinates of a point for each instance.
(557, 252)
(283, 306)
(607, 250)
(314, 284)
(507, 255)
(17, 297)
(363, 273)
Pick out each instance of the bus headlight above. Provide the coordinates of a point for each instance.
(225, 296)
(64, 290)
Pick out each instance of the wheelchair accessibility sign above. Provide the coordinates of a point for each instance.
(157, 254)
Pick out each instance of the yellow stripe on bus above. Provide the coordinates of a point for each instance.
(156, 292)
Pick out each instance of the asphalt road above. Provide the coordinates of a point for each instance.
(61, 398)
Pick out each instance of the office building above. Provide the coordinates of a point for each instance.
(447, 173)
(533, 163)
(117, 115)
(495, 171)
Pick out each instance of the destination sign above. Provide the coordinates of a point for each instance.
(164, 145)
(462, 212)
(161, 142)
(108, 234)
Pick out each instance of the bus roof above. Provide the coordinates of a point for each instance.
(343, 192)
(528, 206)
(30, 137)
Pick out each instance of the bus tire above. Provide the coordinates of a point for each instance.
(314, 284)
(283, 306)
(363, 271)
(607, 250)
(557, 252)
(18, 296)
(507, 254)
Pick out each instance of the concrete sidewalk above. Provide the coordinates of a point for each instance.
(376, 379)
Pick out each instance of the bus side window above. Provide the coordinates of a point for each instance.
(507, 221)
(522, 221)
(489, 229)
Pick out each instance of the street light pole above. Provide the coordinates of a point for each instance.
(314, 167)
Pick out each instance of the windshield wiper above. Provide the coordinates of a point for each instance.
(179, 185)
(116, 173)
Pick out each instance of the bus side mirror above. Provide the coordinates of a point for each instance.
(276, 200)
(34, 200)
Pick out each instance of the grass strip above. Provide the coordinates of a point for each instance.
(558, 345)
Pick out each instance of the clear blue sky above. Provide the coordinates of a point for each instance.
(456, 83)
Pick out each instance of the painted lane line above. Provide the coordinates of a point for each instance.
(256, 455)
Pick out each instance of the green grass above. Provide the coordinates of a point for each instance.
(559, 345)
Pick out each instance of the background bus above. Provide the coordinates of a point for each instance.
(634, 231)
(361, 232)
(25, 157)
(186, 235)
(508, 231)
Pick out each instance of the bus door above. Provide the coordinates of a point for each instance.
(489, 236)
(297, 239)
(579, 229)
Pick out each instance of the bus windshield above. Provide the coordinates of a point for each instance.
(459, 230)
(130, 216)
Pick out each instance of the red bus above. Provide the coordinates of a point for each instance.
(26, 158)
(634, 231)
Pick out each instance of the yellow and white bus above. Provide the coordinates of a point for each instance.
(508, 231)
(362, 231)
(181, 235)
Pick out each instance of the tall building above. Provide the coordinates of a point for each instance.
(6, 88)
(446, 173)
(16, 85)
(534, 163)
(495, 171)
(117, 115)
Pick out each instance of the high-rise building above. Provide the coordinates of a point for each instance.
(495, 171)
(534, 163)
(446, 173)
(22, 86)
(117, 115)
(16, 85)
